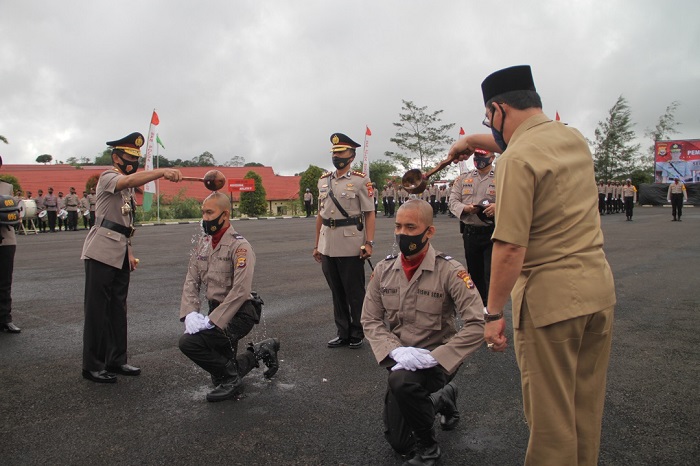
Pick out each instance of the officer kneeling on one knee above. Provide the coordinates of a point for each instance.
(419, 294)
(223, 263)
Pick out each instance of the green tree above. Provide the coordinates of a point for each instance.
(614, 153)
(235, 161)
(105, 158)
(72, 161)
(421, 136)
(379, 172)
(253, 164)
(205, 159)
(254, 203)
(91, 182)
(44, 158)
(13, 181)
(309, 179)
(665, 127)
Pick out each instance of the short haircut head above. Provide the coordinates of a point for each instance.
(219, 199)
(422, 208)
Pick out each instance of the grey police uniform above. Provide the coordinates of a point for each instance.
(8, 247)
(422, 313)
(72, 204)
(340, 239)
(107, 274)
(470, 188)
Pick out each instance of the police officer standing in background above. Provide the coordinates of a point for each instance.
(423, 349)
(109, 260)
(92, 199)
(345, 238)
(629, 194)
(8, 247)
(308, 200)
(85, 209)
(468, 192)
(51, 204)
(41, 221)
(676, 196)
(72, 204)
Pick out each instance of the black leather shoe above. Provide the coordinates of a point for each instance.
(99, 376)
(449, 416)
(124, 369)
(229, 388)
(337, 342)
(356, 343)
(425, 456)
(267, 351)
(10, 328)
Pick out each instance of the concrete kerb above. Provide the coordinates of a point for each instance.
(189, 222)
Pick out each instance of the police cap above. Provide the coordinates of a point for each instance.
(130, 144)
(341, 143)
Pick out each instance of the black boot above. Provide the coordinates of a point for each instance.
(267, 351)
(445, 403)
(230, 384)
(426, 455)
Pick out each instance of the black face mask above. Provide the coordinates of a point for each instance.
(127, 167)
(341, 162)
(482, 162)
(498, 135)
(211, 227)
(411, 244)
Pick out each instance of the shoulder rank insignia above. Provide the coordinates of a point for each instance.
(326, 174)
(391, 256)
(360, 174)
(238, 236)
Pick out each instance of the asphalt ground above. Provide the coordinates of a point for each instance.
(324, 405)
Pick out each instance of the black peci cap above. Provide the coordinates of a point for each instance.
(515, 78)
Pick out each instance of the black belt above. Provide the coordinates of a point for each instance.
(478, 229)
(126, 231)
(343, 222)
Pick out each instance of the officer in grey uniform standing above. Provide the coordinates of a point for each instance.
(308, 200)
(92, 199)
(109, 260)
(41, 221)
(345, 238)
(85, 209)
(222, 264)
(8, 247)
(72, 204)
(51, 204)
(468, 191)
(676, 196)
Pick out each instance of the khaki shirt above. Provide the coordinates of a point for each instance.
(422, 312)
(629, 191)
(102, 244)
(92, 199)
(61, 202)
(679, 188)
(442, 192)
(390, 191)
(39, 203)
(433, 190)
(225, 273)
(609, 189)
(471, 188)
(565, 273)
(51, 202)
(72, 202)
(84, 203)
(308, 197)
(7, 231)
(601, 189)
(352, 192)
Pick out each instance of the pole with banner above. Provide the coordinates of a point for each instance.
(462, 163)
(150, 188)
(365, 159)
(158, 143)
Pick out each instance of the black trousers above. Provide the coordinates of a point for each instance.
(609, 204)
(629, 206)
(677, 204)
(104, 333)
(477, 250)
(92, 218)
(7, 265)
(408, 410)
(72, 220)
(346, 279)
(307, 206)
(212, 349)
(85, 222)
(385, 204)
(601, 203)
(52, 215)
(443, 205)
(391, 204)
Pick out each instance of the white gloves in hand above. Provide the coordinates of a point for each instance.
(196, 322)
(410, 358)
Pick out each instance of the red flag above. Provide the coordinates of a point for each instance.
(557, 117)
(461, 131)
(368, 132)
(154, 118)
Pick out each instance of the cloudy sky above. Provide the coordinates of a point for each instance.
(271, 80)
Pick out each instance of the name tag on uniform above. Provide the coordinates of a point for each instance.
(389, 290)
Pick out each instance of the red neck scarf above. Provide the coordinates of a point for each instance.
(216, 237)
(411, 265)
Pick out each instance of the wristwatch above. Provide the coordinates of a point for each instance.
(492, 317)
(371, 243)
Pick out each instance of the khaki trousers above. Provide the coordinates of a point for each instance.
(563, 370)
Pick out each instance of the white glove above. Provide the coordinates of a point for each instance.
(194, 322)
(407, 357)
(207, 323)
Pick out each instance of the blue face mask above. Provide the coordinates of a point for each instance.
(498, 135)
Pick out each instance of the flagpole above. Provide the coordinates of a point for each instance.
(157, 184)
(462, 163)
(365, 159)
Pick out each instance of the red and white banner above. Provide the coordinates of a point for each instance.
(150, 188)
(365, 159)
(678, 158)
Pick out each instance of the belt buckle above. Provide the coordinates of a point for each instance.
(132, 231)
(331, 223)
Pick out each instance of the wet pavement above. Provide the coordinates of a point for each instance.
(324, 405)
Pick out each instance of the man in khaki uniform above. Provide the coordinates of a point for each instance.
(548, 249)
(468, 190)
(601, 197)
(51, 204)
(391, 198)
(676, 196)
(109, 260)
(62, 215)
(72, 204)
(433, 193)
(609, 201)
(85, 209)
(308, 200)
(345, 238)
(419, 294)
(41, 221)
(8, 248)
(92, 199)
(629, 194)
(222, 264)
